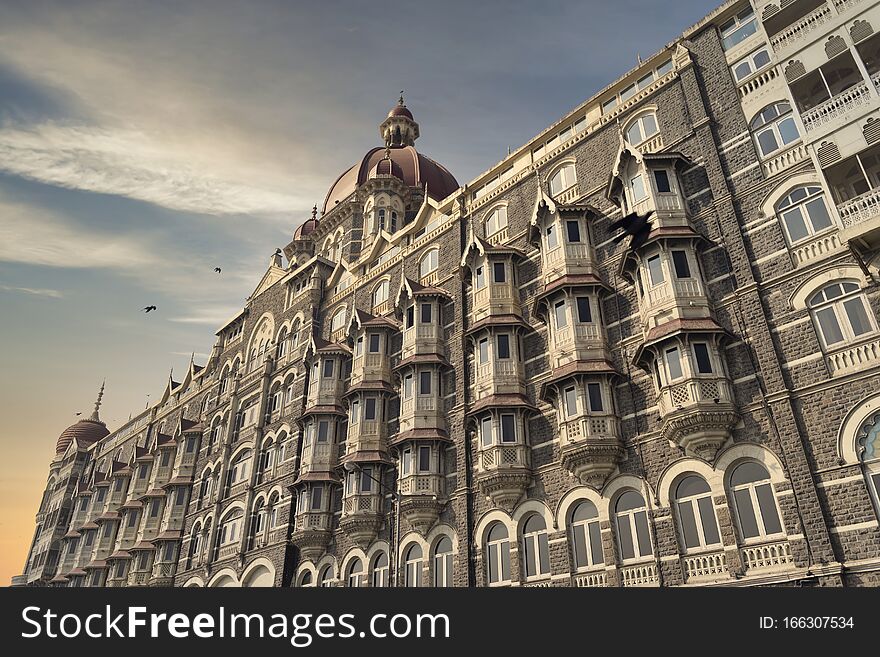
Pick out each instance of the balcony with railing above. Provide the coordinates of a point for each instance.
(580, 341)
(311, 532)
(567, 259)
(640, 574)
(495, 299)
(423, 339)
(594, 578)
(591, 447)
(503, 376)
(698, 414)
(767, 557)
(797, 24)
(857, 197)
(422, 412)
(705, 567)
(370, 367)
(674, 298)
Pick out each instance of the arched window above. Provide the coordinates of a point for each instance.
(774, 128)
(497, 220)
(380, 293)
(195, 544)
(326, 577)
(443, 562)
(238, 471)
(756, 512)
(564, 178)
(338, 321)
(305, 579)
(230, 528)
(497, 555)
(804, 213)
(206, 488)
(413, 564)
(868, 444)
(696, 513)
(380, 570)
(274, 510)
(642, 129)
(840, 313)
(586, 537)
(631, 520)
(536, 547)
(258, 521)
(294, 334)
(354, 573)
(429, 263)
(281, 349)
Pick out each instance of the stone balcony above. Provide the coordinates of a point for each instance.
(320, 457)
(362, 516)
(498, 378)
(698, 414)
(808, 28)
(640, 574)
(370, 367)
(767, 557)
(421, 499)
(423, 340)
(311, 533)
(673, 299)
(838, 110)
(705, 567)
(503, 473)
(422, 412)
(860, 217)
(326, 392)
(578, 342)
(591, 448)
(495, 299)
(567, 259)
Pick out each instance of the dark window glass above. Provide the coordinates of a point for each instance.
(573, 229)
(680, 262)
(595, 394)
(498, 272)
(374, 343)
(503, 346)
(585, 315)
(426, 313)
(662, 179)
(370, 408)
(508, 429)
(704, 364)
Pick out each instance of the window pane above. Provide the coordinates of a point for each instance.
(638, 189)
(374, 343)
(673, 362)
(486, 430)
(407, 386)
(503, 346)
(680, 262)
(788, 130)
(829, 327)
(858, 318)
(596, 543)
(742, 70)
(426, 313)
(551, 237)
(424, 459)
(580, 547)
(767, 142)
(493, 563)
(688, 524)
(761, 58)
(595, 394)
(641, 519)
(544, 553)
(710, 525)
(662, 180)
(484, 350)
(410, 313)
(570, 402)
(508, 429)
(655, 269)
(794, 222)
(768, 509)
(624, 536)
(649, 122)
(573, 229)
(424, 383)
(505, 561)
(634, 134)
(561, 319)
(704, 364)
(498, 272)
(328, 369)
(818, 214)
(370, 408)
(583, 308)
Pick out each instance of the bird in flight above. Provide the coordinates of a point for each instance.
(77, 413)
(634, 225)
(217, 269)
(149, 308)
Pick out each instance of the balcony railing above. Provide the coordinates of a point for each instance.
(382, 308)
(227, 551)
(836, 106)
(579, 253)
(360, 503)
(859, 209)
(164, 570)
(583, 428)
(312, 521)
(709, 565)
(767, 556)
(644, 574)
(421, 484)
(797, 31)
(853, 358)
(503, 456)
(694, 391)
(594, 579)
(500, 236)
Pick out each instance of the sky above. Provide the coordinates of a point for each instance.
(142, 144)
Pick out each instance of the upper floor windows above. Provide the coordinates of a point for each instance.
(739, 28)
(631, 520)
(804, 213)
(841, 314)
(230, 528)
(563, 178)
(429, 262)
(536, 547)
(696, 513)
(505, 431)
(380, 570)
(380, 293)
(338, 321)
(774, 128)
(750, 64)
(644, 81)
(496, 221)
(497, 555)
(643, 128)
(443, 564)
(354, 573)
(756, 512)
(586, 536)
(413, 566)
(239, 469)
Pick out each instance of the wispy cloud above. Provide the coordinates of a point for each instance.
(214, 316)
(34, 291)
(197, 354)
(131, 164)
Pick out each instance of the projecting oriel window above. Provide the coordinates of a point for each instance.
(585, 316)
(701, 355)
(680, 264)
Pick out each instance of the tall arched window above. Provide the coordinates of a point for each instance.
(443, 562)
(562, 179)
(354, 573)
(338, 321)
(326, 577)
(380, 293)
(281, 349)
(586, 537)
(305, 579)
(429, 263)
(380, 570)
(841, 314)
(230, 527)
(868, 443)
(774, 128)
(497, 555)
(536, 547)
(496, 220)
(756, 512)
(804, 213)
(642, 129)
(696, 513)
(412, 558)
(631, 520)
(195, 545)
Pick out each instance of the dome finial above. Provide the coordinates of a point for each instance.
(315, 213)
(94, 415)
(400, 100)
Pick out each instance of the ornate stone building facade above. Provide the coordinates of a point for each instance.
(445, 385)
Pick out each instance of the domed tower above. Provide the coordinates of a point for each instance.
(399, 128)
(57, 502)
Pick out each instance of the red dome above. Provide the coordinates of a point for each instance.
(386, 167)
(87, 431)
(305, 228)
(416, 170)
(400, 110)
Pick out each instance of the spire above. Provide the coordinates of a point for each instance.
(94, 415)
(400, 100)
(315, 213)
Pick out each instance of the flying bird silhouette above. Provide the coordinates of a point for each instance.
(77, 413)
(634, 225)
(217, 269)
(149, 308)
